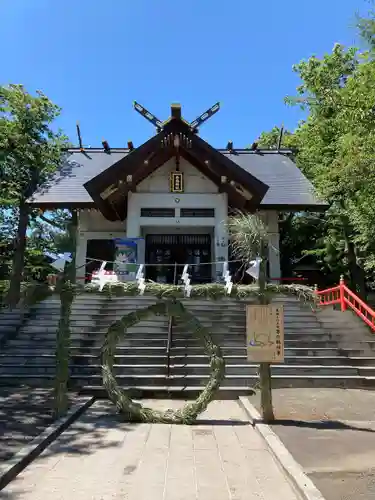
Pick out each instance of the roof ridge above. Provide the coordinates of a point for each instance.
(220, 150)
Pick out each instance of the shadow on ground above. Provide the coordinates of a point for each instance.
(84, 437)
(88, 433)
(24, 413)
(320, 424)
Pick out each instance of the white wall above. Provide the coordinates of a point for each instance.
(137, 226)
(194, 181)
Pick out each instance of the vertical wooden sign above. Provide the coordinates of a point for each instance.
(265, 333)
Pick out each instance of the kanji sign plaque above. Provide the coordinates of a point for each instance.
(176, 182)
(265, 333)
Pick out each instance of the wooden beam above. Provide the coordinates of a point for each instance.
(126, 166)
(176, 111)
(230, 169)
(233, 196)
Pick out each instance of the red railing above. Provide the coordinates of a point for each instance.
(342, 295)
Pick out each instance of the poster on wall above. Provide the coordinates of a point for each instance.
(126, 258)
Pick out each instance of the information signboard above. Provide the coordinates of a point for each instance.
(265, 333)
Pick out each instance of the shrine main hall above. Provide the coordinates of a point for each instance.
(166, 202)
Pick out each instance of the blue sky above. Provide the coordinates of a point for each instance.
(94, 58)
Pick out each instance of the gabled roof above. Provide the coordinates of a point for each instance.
(288, 187)
(109, 188)
(268, 179)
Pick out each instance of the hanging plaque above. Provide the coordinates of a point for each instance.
(176, 182)
(265, 333)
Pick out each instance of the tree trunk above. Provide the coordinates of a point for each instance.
(265, 368)
(16, 277)
(357, 275)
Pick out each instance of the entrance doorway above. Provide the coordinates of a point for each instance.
(164, 251)
(101, 250)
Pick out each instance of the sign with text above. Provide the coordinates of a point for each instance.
(176, 182)
(265, 333)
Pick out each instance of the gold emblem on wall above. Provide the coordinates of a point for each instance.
(176, 182)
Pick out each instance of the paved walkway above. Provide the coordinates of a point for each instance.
(102, 458)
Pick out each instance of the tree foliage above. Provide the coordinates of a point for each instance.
(30, 151)
(335, 148)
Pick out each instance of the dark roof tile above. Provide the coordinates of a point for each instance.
(66, 186)
(287, 184)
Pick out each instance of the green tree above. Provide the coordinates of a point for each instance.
(275, 137)
(334, 147)
(323, 140)
(30, 151)
(366, 27)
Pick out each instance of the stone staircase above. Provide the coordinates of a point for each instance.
(11, 321)
(320, 348)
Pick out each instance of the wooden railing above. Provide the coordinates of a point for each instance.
(342, 295)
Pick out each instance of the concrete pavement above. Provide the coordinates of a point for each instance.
(101, 458)
(331, 433)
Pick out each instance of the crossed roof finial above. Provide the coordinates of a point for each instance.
(176, 114)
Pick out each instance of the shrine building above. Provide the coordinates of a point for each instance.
(166, 202)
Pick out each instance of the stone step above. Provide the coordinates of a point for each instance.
(227, 325)
(366, 371)
(94, 350)
(231, 385)
(167, 392)
(160, 327)
(234, 339)
(30, 358)
(39, 323)
(127, 341)
(294, 352)
(47, 317)
(81, 332)
(154, 356)
(6, 324)
(92, 298)
(252, 369)
(310, 344)
(160, 348)
(231, 369)
(362, 361)
(301, 380)
(192, 305)
(356, 350)
(156, 370)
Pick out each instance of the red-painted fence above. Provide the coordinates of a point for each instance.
(342, 295)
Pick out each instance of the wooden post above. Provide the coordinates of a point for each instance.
(265, 368)
(342, 292)
(317, 300)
